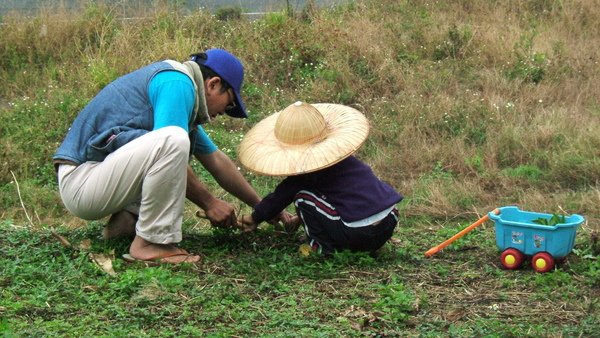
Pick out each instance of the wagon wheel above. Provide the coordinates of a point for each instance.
(511, 258)
(542, 262)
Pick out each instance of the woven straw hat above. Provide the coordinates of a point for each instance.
(303, 138)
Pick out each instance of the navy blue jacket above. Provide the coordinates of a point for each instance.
(350, 186)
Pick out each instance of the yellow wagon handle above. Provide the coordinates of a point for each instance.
(447, 242)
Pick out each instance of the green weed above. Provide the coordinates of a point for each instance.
(396, 302)
(529, 66)
(476, 162)
(455, 45)
(528, 172)
(471, 124)
(100, 74)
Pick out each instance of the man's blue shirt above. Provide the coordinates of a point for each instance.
(172, 109)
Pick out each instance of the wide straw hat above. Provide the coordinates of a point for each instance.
(303, 138)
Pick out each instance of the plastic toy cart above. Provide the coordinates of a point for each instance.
(518, 236)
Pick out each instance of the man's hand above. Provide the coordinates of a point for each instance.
(221, 214)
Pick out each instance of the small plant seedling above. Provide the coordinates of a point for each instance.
(552, 221)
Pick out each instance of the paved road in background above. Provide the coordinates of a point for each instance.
(30, 7)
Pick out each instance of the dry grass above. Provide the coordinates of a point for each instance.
(446, 85)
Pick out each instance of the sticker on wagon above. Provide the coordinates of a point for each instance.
(517, 237)
(538, 241)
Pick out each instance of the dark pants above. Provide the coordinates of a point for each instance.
(327, 233)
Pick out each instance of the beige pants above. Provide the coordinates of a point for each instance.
(149, 172)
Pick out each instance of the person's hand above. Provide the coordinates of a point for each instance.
(284, 217)
(221, 214)
(248, 224)
(292, 224)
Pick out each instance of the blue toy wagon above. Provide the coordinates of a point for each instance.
(519, 235)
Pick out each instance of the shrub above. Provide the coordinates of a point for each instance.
(226, 13)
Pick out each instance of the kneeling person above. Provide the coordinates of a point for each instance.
(338, 198)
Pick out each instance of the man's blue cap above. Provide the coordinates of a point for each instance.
(230, 69)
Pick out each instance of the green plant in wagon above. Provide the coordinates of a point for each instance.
(552, 221)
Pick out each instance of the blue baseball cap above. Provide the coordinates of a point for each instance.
(230, 69)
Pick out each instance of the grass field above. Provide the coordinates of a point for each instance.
(473, 105)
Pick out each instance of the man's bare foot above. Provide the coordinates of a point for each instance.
(143, 250)
(120, 224)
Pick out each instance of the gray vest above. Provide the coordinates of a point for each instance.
(121, 112)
